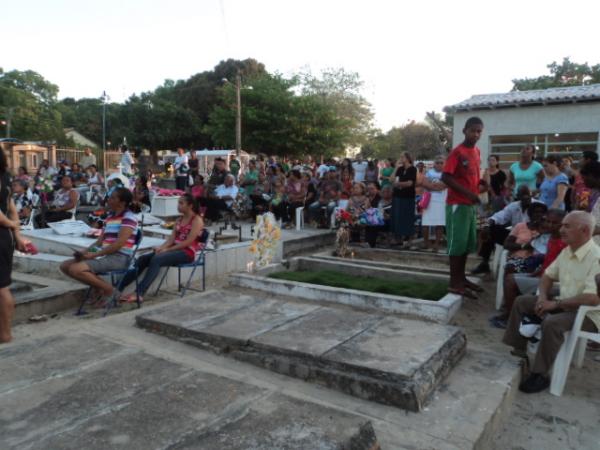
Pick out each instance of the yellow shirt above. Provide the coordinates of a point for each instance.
(576, 271)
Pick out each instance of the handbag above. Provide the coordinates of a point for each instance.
(424, 201)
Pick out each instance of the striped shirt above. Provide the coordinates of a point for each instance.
(112, 227)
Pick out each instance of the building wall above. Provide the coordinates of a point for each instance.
(575, 118)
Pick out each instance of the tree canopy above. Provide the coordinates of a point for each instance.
(563, 74)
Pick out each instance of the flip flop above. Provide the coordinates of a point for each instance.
(130, 298)
(463, 292)
(474, 287)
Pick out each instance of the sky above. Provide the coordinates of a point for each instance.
(413, 56)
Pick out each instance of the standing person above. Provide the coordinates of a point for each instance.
(126, 160)
(182, 169)
(235, 167)
(525, 171)
(495, 179)
(389, 166)
(591, 177)
(554, 187)
(461, 175)
(360, 169)
(194, 164)
(420, 177)
(9, 236)
(580, 192)
(435, 213)
(88, 159)
(403, 206)
(372, 173)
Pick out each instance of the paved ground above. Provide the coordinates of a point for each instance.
(454, 420)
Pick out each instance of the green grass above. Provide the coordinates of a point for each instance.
(432, 290)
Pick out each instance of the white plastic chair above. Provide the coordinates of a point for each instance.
(500, 276)
(575, 344)
(300, 218)
(496, 261)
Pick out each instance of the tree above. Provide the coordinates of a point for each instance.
(567, 73)
(29, 101)
(419, 139)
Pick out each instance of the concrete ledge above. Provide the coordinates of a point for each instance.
(389, 360)
(440, 311)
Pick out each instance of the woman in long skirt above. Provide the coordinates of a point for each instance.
(403, 204)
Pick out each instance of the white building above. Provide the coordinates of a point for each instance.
(556, 120)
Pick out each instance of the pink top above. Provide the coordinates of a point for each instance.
(181, 234)
(523, 235)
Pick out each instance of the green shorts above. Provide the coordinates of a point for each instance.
(461, 229)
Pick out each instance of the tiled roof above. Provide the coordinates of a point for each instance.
(572, 94)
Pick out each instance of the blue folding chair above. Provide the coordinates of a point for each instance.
(116, 279)
(199, 261)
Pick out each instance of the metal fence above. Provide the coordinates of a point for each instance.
(106, 161)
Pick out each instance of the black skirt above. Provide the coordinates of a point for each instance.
(7, 248)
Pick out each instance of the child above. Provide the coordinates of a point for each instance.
(461, 175)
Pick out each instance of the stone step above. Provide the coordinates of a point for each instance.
(86, 392)
(389, 360)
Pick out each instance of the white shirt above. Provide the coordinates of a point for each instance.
(126, 162)
(434, 176)
(360, 168)
(224, 191)
(180, 161)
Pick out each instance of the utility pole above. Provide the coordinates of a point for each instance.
(103, 121)
(238, 117)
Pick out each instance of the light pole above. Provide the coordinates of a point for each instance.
(238, 116)
(104, 98)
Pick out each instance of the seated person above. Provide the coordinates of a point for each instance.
(496, 229)
(385, 206)
(112, 250)
(65, 200)
(179, 248)
(296, 190)
(519, 241)
(329, 191)
(22, 201)
(358, 203)
(576, 268)
(221, 199)
(516, 284)
(141, 196)
(197, 189)
(279, 203)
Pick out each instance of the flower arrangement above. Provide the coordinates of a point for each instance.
(268, 234)
(343, 218)
(45, 185)
(170, 192)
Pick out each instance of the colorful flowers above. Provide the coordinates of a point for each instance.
(267, 235)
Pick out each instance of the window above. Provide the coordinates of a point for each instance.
(508, 148)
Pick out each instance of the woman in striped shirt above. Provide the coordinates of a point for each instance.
(112, 250)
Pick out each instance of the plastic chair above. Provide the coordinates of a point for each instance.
(116, 279)
(500, 278)
(574, 344)
(496, 261)
(199, 261)
(300, 218)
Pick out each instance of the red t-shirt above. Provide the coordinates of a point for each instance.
(555, 246)
(463, 164)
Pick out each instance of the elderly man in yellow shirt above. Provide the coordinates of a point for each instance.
(575, 268)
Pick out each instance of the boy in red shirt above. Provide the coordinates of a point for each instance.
(461, 175)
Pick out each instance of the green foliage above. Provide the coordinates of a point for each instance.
(565, 74)
(29, 101)
(434, 290)
(419, 139)
(286, 117)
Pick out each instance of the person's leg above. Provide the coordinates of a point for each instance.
(525, 304)
(426, 242)
(457, 245)
(511, 292)
(66, 265)
(439, 235)
(497, 235)
(7, 308)
(141, 263)
(156, 263)
(82, 272)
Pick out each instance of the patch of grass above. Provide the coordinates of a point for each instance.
(432, 290)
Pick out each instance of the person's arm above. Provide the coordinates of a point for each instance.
(124, 234)
(511, 245)
(448, 180)
(561, 191)
(430, 186)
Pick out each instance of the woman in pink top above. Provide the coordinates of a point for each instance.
(520, 237)
(179, 248)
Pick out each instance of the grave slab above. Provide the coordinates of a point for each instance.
(287, 337)
(131, 399)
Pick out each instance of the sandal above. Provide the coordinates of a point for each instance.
(463, 293)
(130, 298)
(474, 287)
